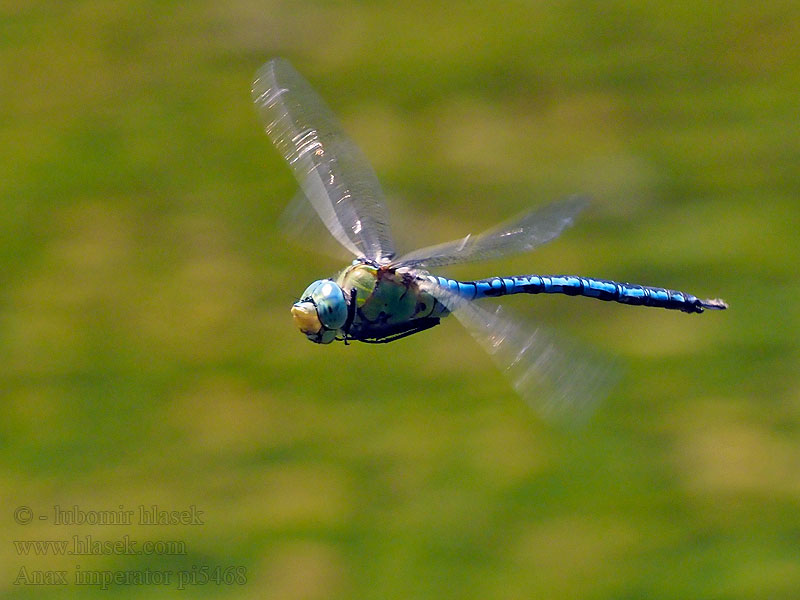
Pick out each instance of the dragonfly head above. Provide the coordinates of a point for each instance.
(321, 311)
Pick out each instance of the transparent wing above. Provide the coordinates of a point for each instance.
(300, 223)
(562, 383)
(332, 172)
(522, 234)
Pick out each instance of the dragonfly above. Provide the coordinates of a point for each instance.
(382, 297)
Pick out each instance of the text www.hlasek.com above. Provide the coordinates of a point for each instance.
(86, 545)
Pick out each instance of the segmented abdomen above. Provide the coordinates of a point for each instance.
(573, 285)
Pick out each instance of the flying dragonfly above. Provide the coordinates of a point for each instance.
(382, 297)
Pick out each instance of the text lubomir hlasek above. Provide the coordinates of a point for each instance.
(141, 515)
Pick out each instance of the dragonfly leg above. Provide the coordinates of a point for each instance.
(351, 314)
(400, 331)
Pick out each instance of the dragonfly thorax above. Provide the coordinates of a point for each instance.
(321, 311)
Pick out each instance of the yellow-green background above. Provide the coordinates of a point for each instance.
(146, 350)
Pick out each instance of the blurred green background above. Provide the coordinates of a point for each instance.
(148, 356)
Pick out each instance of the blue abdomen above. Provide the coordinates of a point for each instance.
(573, 285)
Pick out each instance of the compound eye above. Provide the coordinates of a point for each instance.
(326, 336)
(331, 305)
(309, 291)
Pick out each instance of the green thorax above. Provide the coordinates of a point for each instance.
(385, 296)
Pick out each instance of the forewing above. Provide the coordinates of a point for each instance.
(332, 172)
(522, 234)
(562, 383)
(300, 223)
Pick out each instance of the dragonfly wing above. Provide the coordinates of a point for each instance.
(562, 383)
(299, 223)
(522, 234)
(332, 172)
